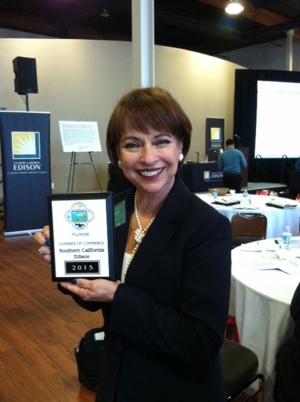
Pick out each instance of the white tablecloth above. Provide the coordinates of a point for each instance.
(260, 300)
(277, 218)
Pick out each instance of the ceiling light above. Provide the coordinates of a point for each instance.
(234, 7)
(105, 13)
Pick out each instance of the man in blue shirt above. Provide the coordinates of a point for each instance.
(231, 161)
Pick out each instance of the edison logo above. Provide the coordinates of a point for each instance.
(206, 175)
(26, 145)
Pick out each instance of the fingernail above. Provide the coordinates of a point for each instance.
(47, 241)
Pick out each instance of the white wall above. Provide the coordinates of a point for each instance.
(83, 79)
(267, 56)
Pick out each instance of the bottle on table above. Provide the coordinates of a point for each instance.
(286, 237)
(246, 200)
(214, 193)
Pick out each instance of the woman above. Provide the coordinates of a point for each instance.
(165, 320)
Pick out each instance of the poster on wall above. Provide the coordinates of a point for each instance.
(214, 138)
(25, 146)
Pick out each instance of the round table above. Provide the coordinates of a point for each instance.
(260, 301)
(277, 218)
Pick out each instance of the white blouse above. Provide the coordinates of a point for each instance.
(126, 259)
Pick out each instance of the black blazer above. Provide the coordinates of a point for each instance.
(287, 381)
(166, 324)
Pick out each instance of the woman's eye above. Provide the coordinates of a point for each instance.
(131, 145)
(163, 142)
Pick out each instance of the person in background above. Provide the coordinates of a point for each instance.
(231, 161)
(294, 185)
(165, 314)
(287, 381)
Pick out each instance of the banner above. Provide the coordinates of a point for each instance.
(25, 144)
(214, 138)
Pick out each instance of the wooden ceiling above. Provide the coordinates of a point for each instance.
(197, 25)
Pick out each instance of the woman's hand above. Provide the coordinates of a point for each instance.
(43, 238)
(100, 290)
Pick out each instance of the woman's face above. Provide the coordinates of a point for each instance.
(150, 160)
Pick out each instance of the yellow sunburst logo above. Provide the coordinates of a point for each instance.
(26, 145)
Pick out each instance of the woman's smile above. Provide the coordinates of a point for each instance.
(150, 160)
(150, 173)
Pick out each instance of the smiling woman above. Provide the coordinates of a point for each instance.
(150, 160)
(160, 342)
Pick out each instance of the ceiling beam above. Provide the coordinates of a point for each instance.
(250, 12)
(43, 26)
(264, 3)
(272, 30)
(197, 26)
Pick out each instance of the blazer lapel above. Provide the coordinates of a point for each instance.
(159, 233)
(122, 230)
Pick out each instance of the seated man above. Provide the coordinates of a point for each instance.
(287, 382)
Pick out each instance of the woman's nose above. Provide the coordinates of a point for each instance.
(148, 154)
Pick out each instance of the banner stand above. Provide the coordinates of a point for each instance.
(25, 146)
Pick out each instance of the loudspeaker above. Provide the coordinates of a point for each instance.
(25, 75)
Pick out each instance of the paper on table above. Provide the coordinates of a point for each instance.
(278, 204)
(225, 202)
(245, 207)
(290, 266)
(253, 246)
(295, 243)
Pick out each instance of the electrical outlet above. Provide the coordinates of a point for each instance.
(52, 186)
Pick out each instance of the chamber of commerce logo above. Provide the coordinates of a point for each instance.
(26, 145)
(79, 216)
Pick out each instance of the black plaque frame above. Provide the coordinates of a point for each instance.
(74, 223)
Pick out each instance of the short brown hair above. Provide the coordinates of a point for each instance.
(145, 108)
(229, 142)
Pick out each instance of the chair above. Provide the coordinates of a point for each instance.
(240, 370)
(244, 228)
(262, 192)
(248, 227)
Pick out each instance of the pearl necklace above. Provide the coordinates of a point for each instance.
(139, 233)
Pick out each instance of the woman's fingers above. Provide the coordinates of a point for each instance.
(96, 290)
(43, 239)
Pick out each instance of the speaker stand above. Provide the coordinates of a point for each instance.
(73, 163)
(27, 102)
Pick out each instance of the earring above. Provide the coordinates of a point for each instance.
(120, 164)
(181, 157)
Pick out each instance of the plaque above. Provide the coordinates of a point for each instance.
(82, 236)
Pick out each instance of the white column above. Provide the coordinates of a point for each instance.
(289, 50)
(142, 15)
